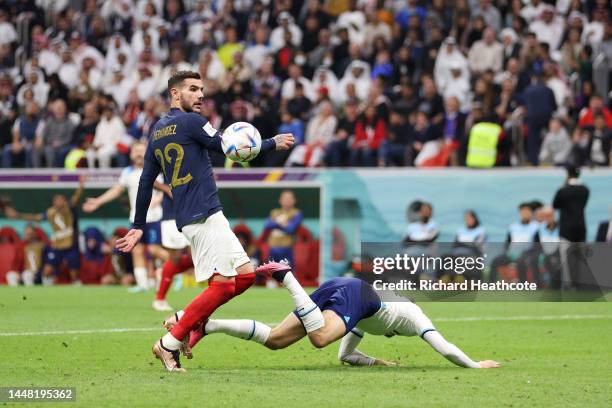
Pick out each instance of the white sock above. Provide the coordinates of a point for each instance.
(27, 277)
(243, 329)
(12, 278)
(170, 342)
(152, 282)
(48, 280)
(308, 312)
(180, 314)
(141, 276)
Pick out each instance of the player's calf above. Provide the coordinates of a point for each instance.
(305, 309)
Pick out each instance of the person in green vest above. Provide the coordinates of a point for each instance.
(482, 142)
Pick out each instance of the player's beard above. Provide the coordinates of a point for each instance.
(187, 107)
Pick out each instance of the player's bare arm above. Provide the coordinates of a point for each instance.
(13, 214)
(78, 193)
(91, 204)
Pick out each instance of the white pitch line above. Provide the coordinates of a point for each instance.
(503, 318)
(92, 331)
(439, 319)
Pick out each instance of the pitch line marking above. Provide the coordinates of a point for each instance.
(440, 319)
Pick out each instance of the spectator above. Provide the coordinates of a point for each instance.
(292, 125)
(596, 107)
(451, 72)
(123, 268)
(490, 13)
(288, 90)
(532, 10)
(319, 132)
(64, 247)
(370, 132)
(358, 74)
(540, 104)
(337, 150)
(109, 132)
(281, 227)
(256, 53)
(299, 106)
(396, 149)
(470, 238)
(424, 230)
(378, 52)
(94, 265)
(510, 44)
(423, 133)
(285, 23)
(453, 132)
(548, 239)
(557, 144)
(24, 133)
(600, 139)
(39, 87)
(55, 137)
(325, 85)
(519, 247)
(229, 48)
(33, 250)
(486, 54)
(85, 131)
(483, 140)
(571, 200)
(431, 102)
(548, 28)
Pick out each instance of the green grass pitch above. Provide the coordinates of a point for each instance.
(547, 361)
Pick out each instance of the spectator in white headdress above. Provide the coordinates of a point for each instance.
(277, 37)
(449, 56)
(358, 74)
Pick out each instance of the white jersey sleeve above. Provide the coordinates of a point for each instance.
(348, 352)
(130, 178)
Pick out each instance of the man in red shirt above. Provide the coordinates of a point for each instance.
(596, 107)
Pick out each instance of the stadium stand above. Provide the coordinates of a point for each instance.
(89, 76)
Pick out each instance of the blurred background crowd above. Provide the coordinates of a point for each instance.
(476, 83)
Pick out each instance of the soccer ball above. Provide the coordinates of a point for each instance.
(241, 142)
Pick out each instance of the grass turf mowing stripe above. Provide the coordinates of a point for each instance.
(439, 319)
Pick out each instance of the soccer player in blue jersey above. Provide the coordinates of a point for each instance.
(178, 146)
(341, 308)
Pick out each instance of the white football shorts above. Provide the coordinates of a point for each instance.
(171, 237)
(214, 247)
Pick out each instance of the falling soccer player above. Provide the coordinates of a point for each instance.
(341, 308)
(178, 146)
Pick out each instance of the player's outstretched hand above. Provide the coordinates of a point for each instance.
(284, 141)
(380, 362)
(488, 364)
(127, 243)
(90, 205)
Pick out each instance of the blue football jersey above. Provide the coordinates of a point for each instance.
(178, 147)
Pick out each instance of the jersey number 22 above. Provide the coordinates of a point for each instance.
(164, 157)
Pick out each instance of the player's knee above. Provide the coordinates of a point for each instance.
(246, 280)
(224, 289)
(275, 344)
(318, 340)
